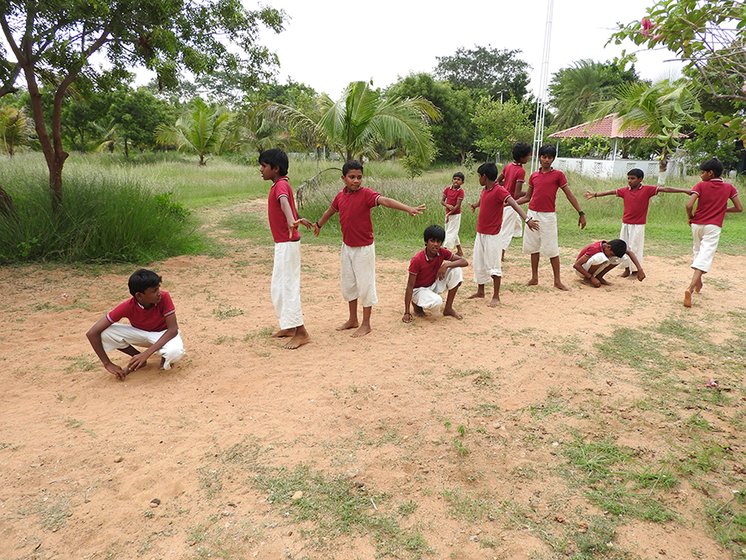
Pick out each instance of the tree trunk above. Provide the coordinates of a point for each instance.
(126, 148)
(202, 160)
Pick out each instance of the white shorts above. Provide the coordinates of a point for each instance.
(119, 336)
(634, 236)
(705, 242)
(285, 288)
(453, 225)
(429, 297)
(600, 260)
(358, 274)
(512, 226)
(545, 240)
(487, 257)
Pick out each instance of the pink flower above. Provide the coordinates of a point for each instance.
(647, 25)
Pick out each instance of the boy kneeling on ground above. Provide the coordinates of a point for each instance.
(431, 272)
(596, 259)
(153, 325)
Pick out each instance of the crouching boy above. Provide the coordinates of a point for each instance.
(153, 326)
(431, 272)
(598, 258)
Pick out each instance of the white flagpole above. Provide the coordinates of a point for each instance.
(541, 98)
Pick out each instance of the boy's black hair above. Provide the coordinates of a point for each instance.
(350, 165)
(521, 150)
(714, 165)
(434, 232)
(548, 151)
(143, 279)
(618, 247)
(459, 175)
(639, 173)
(275, 157)
(489, 170)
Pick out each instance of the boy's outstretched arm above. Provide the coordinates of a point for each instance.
(526, 196)
(318, 224)
(531, 223)
(595, 282)
(94, 337)
(396, 205)
(633, 258)
(673, 190)
(172, 329)
(589, 194)
(574, 201)
(407, 317)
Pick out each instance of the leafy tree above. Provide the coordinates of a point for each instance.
(500, 125)
(575, 90)
(136, 116)
(200, 129)
(15, 128)
(362, 120)
(453, 134)
(51, 44)
(498, 72)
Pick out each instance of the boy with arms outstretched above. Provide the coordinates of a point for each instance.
(283, 223)
(431, 272)
(153, 325)
(711, 197)
(488, 247)
(512, 178)
(453, 195)
(596, 259)
(636, 198)
(542, 198)
(358, 255)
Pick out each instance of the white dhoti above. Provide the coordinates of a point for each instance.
(429, 297)
(453, 226)
(602, 261)
(545, 240)
(119, 336)
(512, 226)
(488, 254)
(285, 288)
(705, 239)
(634, 236)
(358, 274)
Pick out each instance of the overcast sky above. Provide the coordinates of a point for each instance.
(329, 43)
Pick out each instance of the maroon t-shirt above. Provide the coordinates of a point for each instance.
(592, 249)
(354, 215)
(278, 223)
(545, 186)
(636, 203)
(713, 201)
(452, 197)
(512, 173)
(151, 320)
(491, 202)
(425, 268)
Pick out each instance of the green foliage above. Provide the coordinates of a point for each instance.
(496, 72)
(500, 125)
(15, 129)
(200, 129)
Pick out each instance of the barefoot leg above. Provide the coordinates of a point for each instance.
(365, 325)
(448, 310)
(495, 301)
(300, 338)
(282, 333)
(534, 269)
(352, 320)
(479, 293)
(418, 311)
(626, 273)
(556, 271)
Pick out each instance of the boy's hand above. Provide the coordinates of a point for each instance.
(137, 362)
(407, 317)
(581, 221)
(588, 195)
(303, 221)
(640, 275)
(473, 208)
(316, 229)
(443, 270)
(595, 282)
(533, 224)
(114, 369)
(415, 210)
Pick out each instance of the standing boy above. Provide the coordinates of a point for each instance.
(153, 325)
(452, 197)
(431, 272)
(358, 255)
(487, 243)
(283, 223)
(512, 178)
(636, 198)
(711, 197)
(596, 259)
(542, 198)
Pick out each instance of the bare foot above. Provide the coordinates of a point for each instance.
(626, 273)
(561, 286)
(476, 295)
(297, 341)
(452, 313)
(494, 302)
(362, 331)
(533, 282)
(603, 282)
(460, 253)
(350, 324)
(687, 298)
(282, 333)
(419, 311)
(698, 287)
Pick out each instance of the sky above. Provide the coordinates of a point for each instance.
(329, 43)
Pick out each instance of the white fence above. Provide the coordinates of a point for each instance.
(608, 169)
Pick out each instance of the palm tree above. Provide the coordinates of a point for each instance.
(362, 120)
(15, 128)
(665, 109)
(201, 129)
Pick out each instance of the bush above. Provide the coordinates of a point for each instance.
(102, 219)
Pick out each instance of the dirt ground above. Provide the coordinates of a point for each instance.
(451, 434)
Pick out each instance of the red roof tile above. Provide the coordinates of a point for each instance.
(609, 126)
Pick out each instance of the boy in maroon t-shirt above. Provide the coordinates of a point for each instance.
(512, 178)
(598, 258)
(431, 272)
(711, 197)
(153, 325)
(453, 196)
(358, 254)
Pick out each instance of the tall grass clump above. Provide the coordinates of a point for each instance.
(103, 218)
